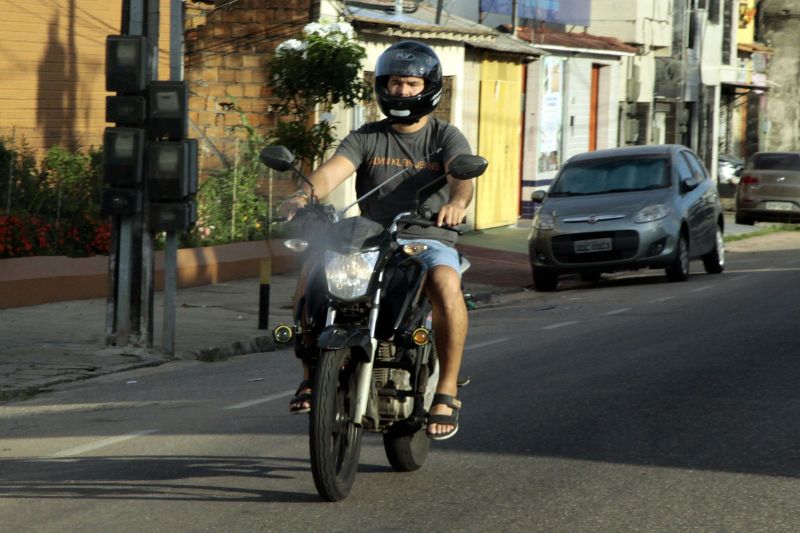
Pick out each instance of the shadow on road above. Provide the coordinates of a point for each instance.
(162, 478)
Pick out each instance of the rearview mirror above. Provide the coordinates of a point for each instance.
(538, 196)
(277, 158)
(465, 166)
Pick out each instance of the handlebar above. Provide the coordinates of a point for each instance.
(409, 218)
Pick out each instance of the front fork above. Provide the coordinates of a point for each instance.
(364, 372)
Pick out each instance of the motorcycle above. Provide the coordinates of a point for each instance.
(364, 325)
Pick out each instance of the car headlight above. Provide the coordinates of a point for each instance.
(348, 275)
(651, 213)
(544, 221)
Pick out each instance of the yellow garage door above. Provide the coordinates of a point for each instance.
(499, 138)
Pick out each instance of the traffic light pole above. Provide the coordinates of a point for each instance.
(151, 169)
(121, 266)
(171, 243)
(147, 257)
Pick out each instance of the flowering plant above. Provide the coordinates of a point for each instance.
(50, 207)
(27, 235)
(314, 73)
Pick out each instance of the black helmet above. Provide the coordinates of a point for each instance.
(408, 58)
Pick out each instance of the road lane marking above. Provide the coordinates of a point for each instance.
(265, 399)
(770, 269)
(617, 311)
(487, 343)
(102, 443)
(663, 299)
(561, 324)
(735, 278)
(703, 288)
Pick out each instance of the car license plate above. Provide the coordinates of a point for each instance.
(592, 245)
(779, 206)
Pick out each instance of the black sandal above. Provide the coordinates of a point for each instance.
(302, 396)
(450, 420)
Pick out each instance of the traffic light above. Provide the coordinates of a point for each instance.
(123, 156)
(171, 170)
(147, 157)
(126, 110)
(177, 216)
(126, 63)
(121, 202)
(166, 110)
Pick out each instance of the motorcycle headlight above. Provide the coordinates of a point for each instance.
(651, 213)
(544, 221)
(348, 275)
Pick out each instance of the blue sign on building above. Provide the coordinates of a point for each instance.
(571, 12)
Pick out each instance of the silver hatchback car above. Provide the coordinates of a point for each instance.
(624, 209)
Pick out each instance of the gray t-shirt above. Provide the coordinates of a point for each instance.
(378, 152)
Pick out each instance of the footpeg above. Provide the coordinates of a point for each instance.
(463, 382)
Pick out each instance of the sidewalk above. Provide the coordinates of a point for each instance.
(44, 345)
(47, 344)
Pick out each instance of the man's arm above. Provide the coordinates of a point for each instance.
(454, 211)
(326, 178)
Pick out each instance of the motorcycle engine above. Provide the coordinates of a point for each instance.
(388, 381)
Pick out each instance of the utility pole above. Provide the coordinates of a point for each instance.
(150, 166)
(514, 18)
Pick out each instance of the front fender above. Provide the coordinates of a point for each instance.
(337, 337)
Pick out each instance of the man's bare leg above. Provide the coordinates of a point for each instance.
(450, 324)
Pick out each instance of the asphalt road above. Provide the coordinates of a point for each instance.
(628, 405)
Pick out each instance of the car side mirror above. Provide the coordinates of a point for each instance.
(465, 166)
(538, 196)
(688, 184)
(277, 158)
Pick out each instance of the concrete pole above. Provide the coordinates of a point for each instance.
(171, 244)
(118, 331)
(147, 258)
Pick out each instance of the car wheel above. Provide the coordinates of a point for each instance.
(747, 221)
(591, 276)
(714, 261)
(679, 269)
(544, 280)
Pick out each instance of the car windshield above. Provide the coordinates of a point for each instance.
(611, 175)
(776, 162)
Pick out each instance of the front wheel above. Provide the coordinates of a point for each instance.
(544, 280)
(714, 261)
(679, 269)
(334, 440)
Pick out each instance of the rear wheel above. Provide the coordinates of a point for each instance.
(544, 280)
(679, 269)
(407, 444)
(714, 261)
(334, 439)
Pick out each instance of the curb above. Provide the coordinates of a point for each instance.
(263, 343)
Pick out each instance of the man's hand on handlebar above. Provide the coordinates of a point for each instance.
(291, 205)
(451, 214)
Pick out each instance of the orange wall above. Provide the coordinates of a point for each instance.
(52, 69)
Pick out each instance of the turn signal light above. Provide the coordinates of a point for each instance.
(421, 336)
(414, 248)
(283, 333)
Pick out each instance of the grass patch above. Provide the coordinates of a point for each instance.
(763, 231)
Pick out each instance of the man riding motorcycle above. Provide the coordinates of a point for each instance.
(408, 87)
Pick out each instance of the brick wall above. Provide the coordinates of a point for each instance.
(227, 58)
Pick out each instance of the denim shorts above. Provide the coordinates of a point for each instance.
(437, 254)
